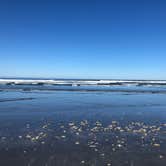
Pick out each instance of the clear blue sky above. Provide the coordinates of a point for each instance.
(83, 38)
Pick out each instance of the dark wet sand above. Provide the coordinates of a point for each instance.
(92, 129)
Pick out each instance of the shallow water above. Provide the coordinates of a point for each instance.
(72, 128)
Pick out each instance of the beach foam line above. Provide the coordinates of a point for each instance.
(81, 82)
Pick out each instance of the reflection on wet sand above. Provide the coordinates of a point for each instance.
(16, 99)
(82, 128)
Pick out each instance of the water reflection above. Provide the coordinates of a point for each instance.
(69, 128)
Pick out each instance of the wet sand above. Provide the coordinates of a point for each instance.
(92, 129)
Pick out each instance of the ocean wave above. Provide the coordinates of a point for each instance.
(40, 82)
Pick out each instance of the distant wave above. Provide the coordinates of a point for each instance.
(63, 82)
(127, 86)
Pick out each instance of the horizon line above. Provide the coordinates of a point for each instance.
(72, 78)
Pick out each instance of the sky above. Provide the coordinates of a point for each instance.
(108, 39)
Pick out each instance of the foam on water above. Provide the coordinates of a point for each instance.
(83, 82)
